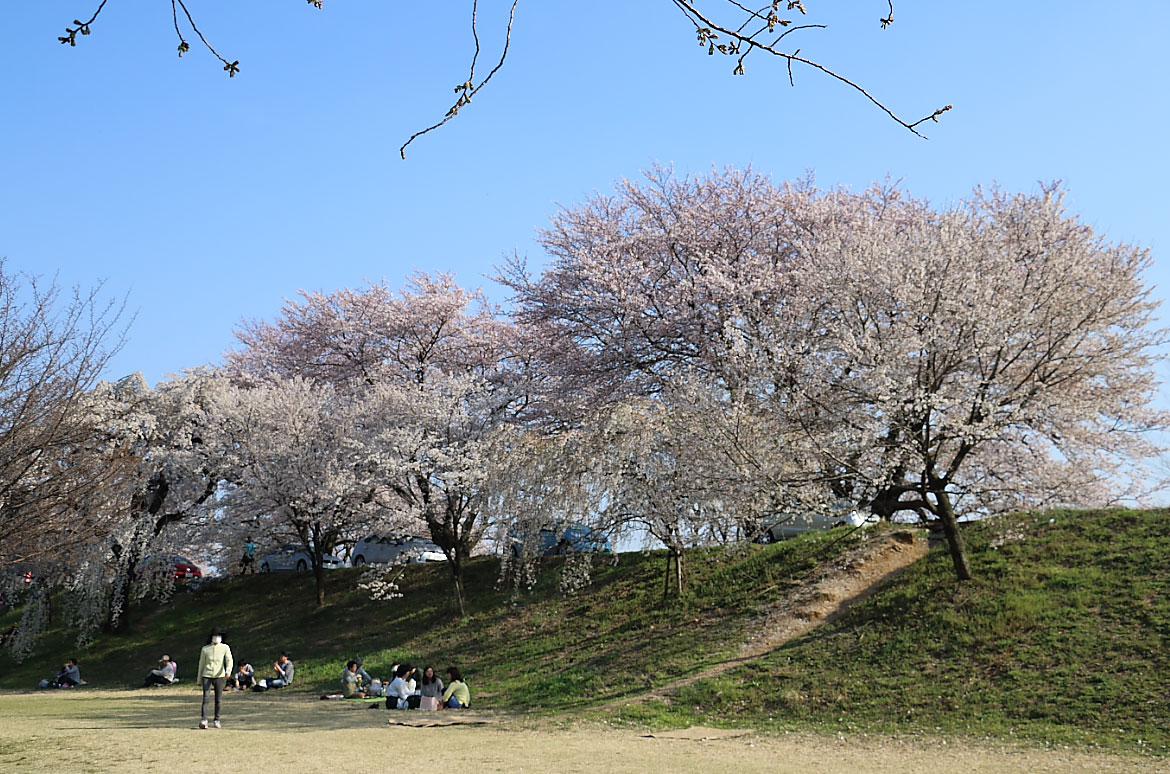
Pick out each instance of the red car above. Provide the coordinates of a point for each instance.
(183, 567)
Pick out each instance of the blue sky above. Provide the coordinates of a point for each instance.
(208, 200)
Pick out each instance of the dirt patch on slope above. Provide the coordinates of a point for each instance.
(837, 586)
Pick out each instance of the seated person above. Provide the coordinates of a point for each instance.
(243, 678)
(366, 679)
(284, 672)
(351, 682)
(456, 696)
(430, 686)
(164, 675)
(398, 693)
(69, 676)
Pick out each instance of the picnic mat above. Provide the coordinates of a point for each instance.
(702, 733)
(441, 720)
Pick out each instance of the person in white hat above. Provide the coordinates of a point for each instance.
(164, 675)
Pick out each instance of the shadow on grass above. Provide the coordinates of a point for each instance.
(267, 712)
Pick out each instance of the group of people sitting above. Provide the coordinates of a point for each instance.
(242, 678)
(409, 689)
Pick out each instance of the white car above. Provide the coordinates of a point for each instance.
(786, 525)
(295, 558)
(390, 549)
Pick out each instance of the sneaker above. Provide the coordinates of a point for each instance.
(203, 724)
(216, 724)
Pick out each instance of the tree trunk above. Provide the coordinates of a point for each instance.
(130, 557)
(946, 515)
(457, 572)
(674, 556)
(319, 576)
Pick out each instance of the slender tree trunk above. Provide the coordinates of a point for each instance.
(946, 515)
(319, 576)
(675, 557)
(457, 572)
(666, 575)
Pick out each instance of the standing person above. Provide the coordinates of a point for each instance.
(164, 675)
(215, 664)
(457, 696)
(248, 561)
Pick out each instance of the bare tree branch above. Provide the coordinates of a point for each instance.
(469, 88)
(708, 33)
(757, 31)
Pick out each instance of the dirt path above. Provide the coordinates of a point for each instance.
(838, 585)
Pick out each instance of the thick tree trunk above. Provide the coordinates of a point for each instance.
(946, 515)
(130, 557)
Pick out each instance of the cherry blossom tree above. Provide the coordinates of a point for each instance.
(992, 354)
(430, 365)
(302, 469)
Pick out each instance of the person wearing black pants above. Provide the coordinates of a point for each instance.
(215, 664)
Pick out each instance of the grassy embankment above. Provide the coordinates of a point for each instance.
(1064, 637)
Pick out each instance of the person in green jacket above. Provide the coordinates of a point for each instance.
(215, 664)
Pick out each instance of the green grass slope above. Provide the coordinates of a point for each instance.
(539, 650)
(1063, 637)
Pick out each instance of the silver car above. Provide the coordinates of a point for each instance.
(288, 558)
(786, 525)
(393, 549)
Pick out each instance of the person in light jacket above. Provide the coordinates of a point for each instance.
(164, 675)
(215, 664)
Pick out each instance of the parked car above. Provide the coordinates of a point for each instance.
(182, 567)
(387, 549)
(572, 539)
(787, 525)
(295, 558)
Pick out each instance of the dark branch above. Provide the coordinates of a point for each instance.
(468, 88)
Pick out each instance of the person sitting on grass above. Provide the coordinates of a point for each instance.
(366, 679)
(164, 675)
(456, 696)
(69, 676)
(284, 672)
(431, 685)
(399, 691)
(351, 682)
(243, 679)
